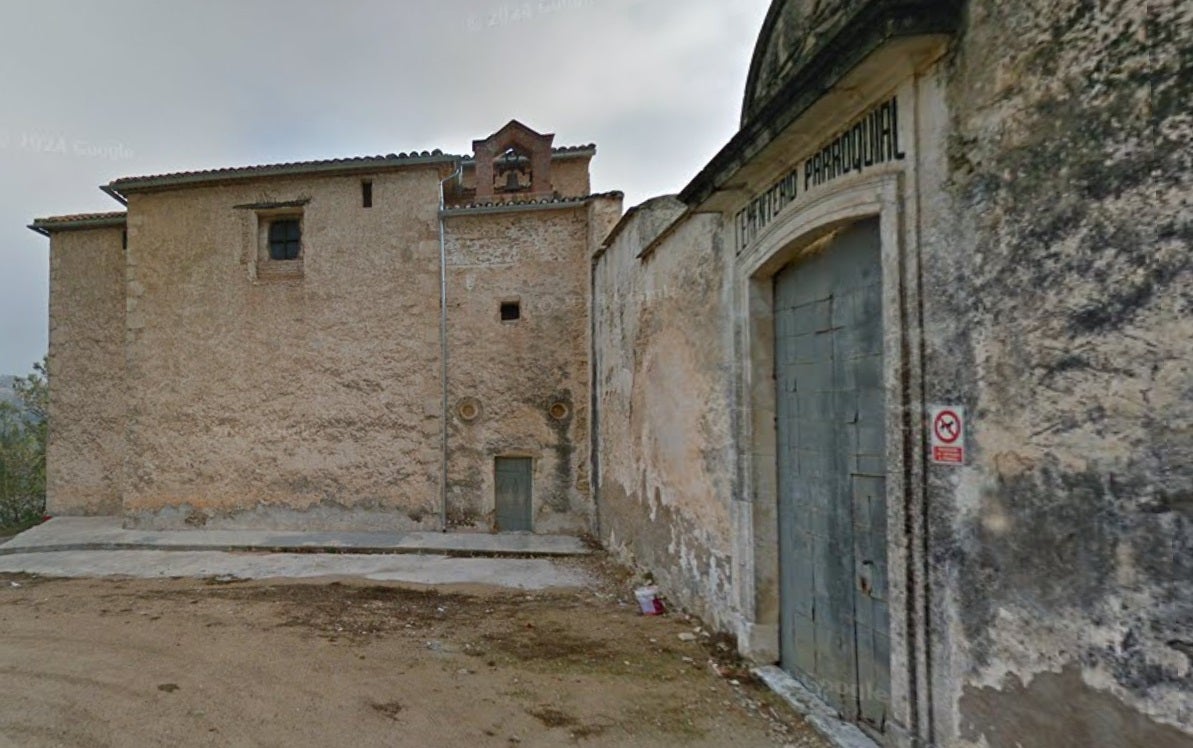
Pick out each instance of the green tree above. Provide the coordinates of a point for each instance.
(23, 430)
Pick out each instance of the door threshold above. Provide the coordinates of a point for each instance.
(818, 714)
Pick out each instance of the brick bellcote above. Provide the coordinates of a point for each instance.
(519, 155)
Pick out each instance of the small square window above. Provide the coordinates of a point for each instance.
(280, 252)
(285, 239)
(510, 310)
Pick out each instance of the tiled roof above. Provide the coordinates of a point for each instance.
(563, 151)
(545, 202)
(81, 217)
(78, 221)
(129, 184)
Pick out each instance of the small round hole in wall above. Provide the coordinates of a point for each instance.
(468, 409)
(559, 411)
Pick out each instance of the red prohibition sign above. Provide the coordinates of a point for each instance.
(947, 426)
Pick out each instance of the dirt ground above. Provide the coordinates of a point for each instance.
(120, 662)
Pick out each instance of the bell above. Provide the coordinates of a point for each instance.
(511, 181)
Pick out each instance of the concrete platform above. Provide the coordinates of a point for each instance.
(429, 570)
(107, 534)
(100, 547)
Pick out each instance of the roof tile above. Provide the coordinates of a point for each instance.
(498, 204)
(82, 217)
(389, 159)
(290, 166)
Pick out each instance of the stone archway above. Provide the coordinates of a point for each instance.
(803, 230)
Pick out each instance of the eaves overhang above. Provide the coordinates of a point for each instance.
(121, 188)
(79, 222)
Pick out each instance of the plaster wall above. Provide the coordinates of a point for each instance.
(662, 342)
(1057, 262)
(527, 378)
(308, 402)
(1039, 275)
(570, 176)
(85, 450)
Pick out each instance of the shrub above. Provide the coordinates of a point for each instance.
(23, 451)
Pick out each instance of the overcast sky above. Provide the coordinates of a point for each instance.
(99, 90)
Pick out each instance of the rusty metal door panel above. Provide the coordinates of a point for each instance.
(834, 632)
(513, 493)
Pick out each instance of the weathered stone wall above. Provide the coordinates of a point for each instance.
(85, 452)
(662, 344)
(1046, 193)
(309, 403)
(515, 372)
(1057, 265)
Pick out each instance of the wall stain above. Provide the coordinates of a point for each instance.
(1077, 716)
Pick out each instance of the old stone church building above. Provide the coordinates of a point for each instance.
(896, 390)
(276, 346)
